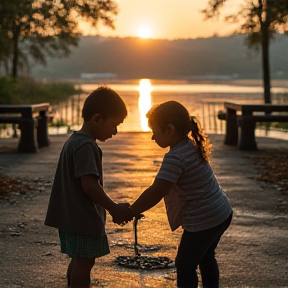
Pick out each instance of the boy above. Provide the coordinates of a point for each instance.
(77, 202)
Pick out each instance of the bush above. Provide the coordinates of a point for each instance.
(8, 88)
(30, 91)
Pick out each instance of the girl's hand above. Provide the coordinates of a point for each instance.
(123, 214)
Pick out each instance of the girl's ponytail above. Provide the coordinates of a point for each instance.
(200, 139)
(172, 112)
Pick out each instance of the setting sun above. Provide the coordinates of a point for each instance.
(144, 32)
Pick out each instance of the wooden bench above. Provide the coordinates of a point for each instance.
(33, 124)
(246, 121)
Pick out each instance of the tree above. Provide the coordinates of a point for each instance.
(37, 28)
(4, 43)
(261, 20)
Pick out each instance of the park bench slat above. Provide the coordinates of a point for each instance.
(268, 108)
(270, 118)
(10, 119)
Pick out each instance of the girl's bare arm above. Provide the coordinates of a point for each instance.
(151, 196)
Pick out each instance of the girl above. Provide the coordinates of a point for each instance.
(192, 195)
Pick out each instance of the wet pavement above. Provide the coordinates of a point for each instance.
(29, 251)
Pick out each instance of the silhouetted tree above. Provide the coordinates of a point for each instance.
(260, 19)
(37, 28)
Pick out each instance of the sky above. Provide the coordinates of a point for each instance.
(163, 19)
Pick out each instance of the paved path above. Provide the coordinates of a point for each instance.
(253, 252)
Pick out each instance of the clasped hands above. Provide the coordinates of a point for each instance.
(123, 214)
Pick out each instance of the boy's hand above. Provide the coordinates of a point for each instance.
(122, 215)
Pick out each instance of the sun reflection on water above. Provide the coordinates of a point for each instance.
(144, 102)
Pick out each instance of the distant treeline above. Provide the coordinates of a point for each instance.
(132, 58)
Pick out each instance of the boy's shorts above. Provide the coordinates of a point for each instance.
(79, 246)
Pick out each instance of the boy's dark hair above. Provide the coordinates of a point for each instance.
(104, 101)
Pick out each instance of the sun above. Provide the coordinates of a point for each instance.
(144, 32)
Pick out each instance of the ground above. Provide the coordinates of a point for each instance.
(251, 254)
(272, 164)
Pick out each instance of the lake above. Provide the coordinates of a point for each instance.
(201, 100)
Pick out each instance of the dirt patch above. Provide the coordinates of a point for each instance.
(19, 186)
(273, 167)
(10, 185)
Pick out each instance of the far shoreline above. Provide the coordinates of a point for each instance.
(239, 82)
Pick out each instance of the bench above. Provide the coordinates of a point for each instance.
(246, 121)
(33, 124)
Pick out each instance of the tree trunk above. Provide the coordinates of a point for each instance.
(6, 67)
(15, 52)
(266, 71)
(265, 55)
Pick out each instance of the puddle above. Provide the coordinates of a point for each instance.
(143, 262)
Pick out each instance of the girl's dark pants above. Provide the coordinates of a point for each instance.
(198, 248)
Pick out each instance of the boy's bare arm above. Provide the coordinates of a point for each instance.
(94, 190)
(151, 196)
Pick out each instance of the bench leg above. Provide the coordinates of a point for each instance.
(231, 137)
(42, 130)
(28, 141)
(247, 133)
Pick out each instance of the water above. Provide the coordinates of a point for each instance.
(201, 100)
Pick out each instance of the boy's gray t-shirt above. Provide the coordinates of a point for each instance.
(70, 209)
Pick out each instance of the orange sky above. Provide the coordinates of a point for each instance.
(169, 19)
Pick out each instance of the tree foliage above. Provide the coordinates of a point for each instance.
(260, 20)
(37, 28)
